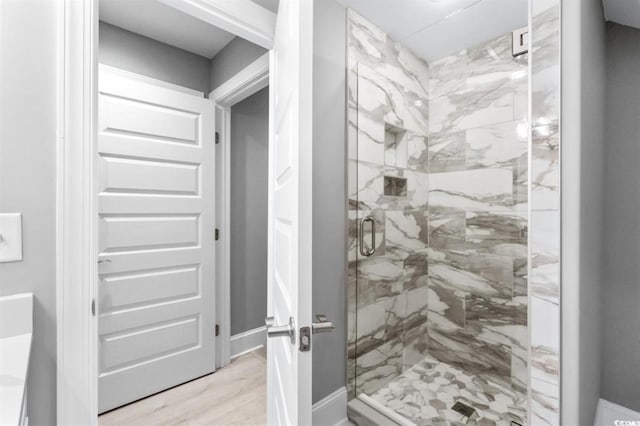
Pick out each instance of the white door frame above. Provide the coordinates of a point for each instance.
(76, 201)
(242, 85)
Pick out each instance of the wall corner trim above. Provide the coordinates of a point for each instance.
(332, 409)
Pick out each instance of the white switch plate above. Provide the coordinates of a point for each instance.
(10, 237)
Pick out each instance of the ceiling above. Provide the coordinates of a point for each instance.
(625, 12)
(271, 5)
(437, 28)
(165, 24)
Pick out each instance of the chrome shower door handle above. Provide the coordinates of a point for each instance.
(372, 250)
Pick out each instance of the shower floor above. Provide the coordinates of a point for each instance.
(425, 393)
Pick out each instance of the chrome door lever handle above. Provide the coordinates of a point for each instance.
(323, 325)
(273, 330)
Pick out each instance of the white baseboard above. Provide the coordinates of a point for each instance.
(608, 413)
(248, 341)
(331, 410)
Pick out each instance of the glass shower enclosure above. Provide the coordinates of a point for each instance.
(438, 229)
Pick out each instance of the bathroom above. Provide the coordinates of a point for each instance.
(466, 217)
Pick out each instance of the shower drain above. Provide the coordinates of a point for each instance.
(463, 409)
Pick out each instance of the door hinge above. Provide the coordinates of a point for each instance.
(217, 138)
(217, 234)
(93, 307)
(217, 330)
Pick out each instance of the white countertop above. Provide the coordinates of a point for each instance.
(16, 329)
(14, 363)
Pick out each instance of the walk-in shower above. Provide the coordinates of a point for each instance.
(439, 183)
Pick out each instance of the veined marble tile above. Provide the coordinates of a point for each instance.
(447, 309)
(367, 43)
(545, 403)
(450, 270)
(488, 230)
(497, 145)
(495, 269)
(415, 71)
(463, 350)
(473, 190)
(448, 74)
(545, 255)
(488, 93)
(520, 358)
(545, 204)
(472, 108)
(380, 322)
(545, 340)
(417, 152)
(521, 183)
(492, 56)
(372, 102)
(447, 228)
(545, 66)
(351, 378)
(406, 109)
(415, 334)
(352, 110)
(406, 233)
(377, 367)
(352, 184)
(425, 394)
(545, 167)
(521, 90)
(370, 179)
(447, 152)
(352, 236)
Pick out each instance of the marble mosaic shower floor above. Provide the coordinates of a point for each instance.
(426, 392)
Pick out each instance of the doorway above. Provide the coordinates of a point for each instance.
(289, 37)
(166, 306)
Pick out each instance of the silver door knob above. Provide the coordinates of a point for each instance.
(322, 325)
(273, 330)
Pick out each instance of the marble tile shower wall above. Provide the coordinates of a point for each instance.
(478, 213)
(388, 127)
(545, 213)
(449, 274)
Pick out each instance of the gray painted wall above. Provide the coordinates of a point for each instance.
(329, 195)
(621, 288)
(249, 173)
(582, 144)
(132, 52)
(593, 88)
(28, 177)
(234, 57)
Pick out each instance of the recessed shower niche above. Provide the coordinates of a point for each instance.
(395, 146)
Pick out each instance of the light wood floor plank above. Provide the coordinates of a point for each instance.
(233, 395)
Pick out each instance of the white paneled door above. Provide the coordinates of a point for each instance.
(290, 213)
(155, 171)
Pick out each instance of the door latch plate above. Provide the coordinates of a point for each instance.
(305, 339)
